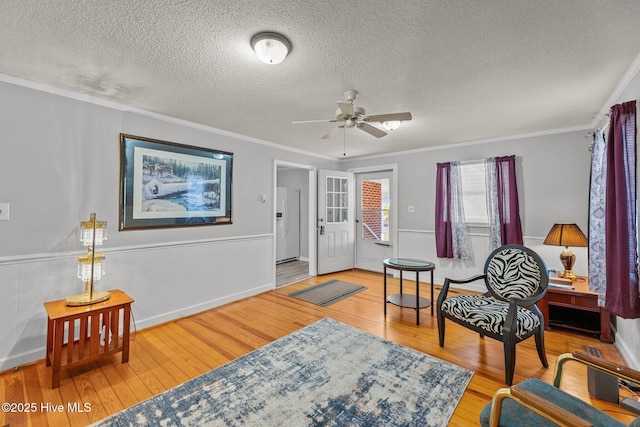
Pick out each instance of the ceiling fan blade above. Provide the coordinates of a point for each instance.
(371, 130)
(389, 117)
(332, 132)
(314, 121)
(346, 108)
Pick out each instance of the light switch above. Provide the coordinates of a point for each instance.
(4, 211)
(411, 208)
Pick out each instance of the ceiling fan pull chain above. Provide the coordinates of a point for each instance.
(344, 142)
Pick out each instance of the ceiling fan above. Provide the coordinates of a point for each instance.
(350, 115)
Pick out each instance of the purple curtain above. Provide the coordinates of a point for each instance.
(444, 240)
(508, 206)
(621, 242)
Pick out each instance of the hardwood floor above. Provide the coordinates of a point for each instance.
(166, 355)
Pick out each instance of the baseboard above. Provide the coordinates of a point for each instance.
(14, 361)
(630, 358)
(200, 307)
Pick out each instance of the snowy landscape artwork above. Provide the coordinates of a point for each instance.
(169, 185)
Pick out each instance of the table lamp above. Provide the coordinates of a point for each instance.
(91, 265)
(566, 235)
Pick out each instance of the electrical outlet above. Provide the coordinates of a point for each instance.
(4, 211)
(411, 208)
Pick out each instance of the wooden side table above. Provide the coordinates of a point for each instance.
(574, 304)
(97, 327)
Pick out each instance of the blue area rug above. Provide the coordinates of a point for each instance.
(326, 374)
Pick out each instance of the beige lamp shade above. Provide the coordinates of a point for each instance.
(566, 235)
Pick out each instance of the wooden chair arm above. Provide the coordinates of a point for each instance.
(445, 286)
(547, 409)
(597, 363)
(614, 368)
(468, 279)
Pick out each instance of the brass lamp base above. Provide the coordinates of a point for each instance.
(85, 299)
(567, 258)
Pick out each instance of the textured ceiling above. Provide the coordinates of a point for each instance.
(466, 70)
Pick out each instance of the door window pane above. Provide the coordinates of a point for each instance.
(374, 205)
(336, 198)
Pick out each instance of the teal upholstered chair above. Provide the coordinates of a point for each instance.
(516, 279)
(536, 403)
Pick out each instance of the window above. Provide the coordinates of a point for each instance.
(337, 189)
(474, 193)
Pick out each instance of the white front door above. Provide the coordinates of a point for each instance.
(374, 219)
(335, 221)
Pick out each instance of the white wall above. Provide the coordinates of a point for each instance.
(60, 162)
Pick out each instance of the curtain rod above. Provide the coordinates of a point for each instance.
(477, 161)
(603, 128)
(471, 162)
(599, 128)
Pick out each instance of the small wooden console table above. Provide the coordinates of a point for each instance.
(407, 300)
(97, 326)
(576, 308)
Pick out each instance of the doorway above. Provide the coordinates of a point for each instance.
(294, 223)
(376, 216)
(336, 221)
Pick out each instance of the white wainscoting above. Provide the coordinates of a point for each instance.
(627, 341)
(421, 244)
(167, 281)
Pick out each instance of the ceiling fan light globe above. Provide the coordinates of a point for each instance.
(349, 123)
(391, 125)
(271, 48)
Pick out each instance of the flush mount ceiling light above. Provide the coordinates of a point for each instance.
(271, 48)
(391, 125)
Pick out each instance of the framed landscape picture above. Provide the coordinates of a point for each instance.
(164, 184)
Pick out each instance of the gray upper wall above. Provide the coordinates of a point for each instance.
(61, 161)
(553, 179)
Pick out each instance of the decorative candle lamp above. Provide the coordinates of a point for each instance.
(91, 265)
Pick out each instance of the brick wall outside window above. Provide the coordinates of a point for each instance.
(371, 209)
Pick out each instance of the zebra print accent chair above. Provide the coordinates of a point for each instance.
(516, 278)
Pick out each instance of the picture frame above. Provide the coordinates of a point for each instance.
(166, 184)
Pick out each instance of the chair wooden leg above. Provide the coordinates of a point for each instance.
(540, 346)
(509, 360)
(440, 327)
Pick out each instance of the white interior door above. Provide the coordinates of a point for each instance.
(335, 221)
(374, 219)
